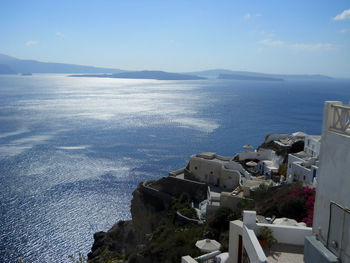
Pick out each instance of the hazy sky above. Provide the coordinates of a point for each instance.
(266, 36)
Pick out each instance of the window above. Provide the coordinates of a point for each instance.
(195, 167)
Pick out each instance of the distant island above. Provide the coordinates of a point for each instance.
(146, 74)
(33, 66)
(247, 75)
(242, 77)
(12, 65)
(5, 69)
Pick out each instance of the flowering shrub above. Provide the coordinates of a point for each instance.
(307, 196)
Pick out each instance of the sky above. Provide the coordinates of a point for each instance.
(277, 36)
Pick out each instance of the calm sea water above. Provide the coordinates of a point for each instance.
(72, 150)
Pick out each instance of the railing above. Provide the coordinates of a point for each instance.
(341, 119)
(186, 219)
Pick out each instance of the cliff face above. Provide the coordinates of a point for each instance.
(120, 239)
(149, 209)
(146, 212)
(125, 236)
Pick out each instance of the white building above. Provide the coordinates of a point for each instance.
(331, 222)
(303, 166)
(312, 145)
(329, 239)
(268, 160)
(216, 170)
(244, 245)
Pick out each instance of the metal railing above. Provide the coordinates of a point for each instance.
(341, 119)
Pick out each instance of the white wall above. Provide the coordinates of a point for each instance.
(290, 170)
(263, 154)
(297, 172)
(225, 173)
(230, 179)
(203, 169)
(293, 235)
(232, 165)
(312, 145)
(334, 173)
(236, 228)
(252, 246)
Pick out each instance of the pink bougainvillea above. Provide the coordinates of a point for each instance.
(308, 194)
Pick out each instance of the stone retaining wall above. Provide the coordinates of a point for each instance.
(175, 187)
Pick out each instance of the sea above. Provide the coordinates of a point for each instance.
(72, 150)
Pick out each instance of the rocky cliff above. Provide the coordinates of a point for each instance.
(149, 209)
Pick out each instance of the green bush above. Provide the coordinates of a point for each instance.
(183, 205)
(189, 212)
(169, 243)
(266, 234)
(261, 192)
(219, 222)
(293, 208)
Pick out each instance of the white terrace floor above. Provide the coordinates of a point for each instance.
(285, 253)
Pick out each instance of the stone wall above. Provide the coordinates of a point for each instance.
(231, 201)
(155, 196)
(175, 187)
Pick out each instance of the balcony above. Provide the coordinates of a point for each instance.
(340, 118)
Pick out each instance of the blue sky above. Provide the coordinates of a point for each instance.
(282, 36)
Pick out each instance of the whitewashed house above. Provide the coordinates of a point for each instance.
(303, 166)
(312, 145)
(216, 170)
(268, 161)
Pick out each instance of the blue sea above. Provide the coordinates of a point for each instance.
(72, 150)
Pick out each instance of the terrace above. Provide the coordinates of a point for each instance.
(245, 245)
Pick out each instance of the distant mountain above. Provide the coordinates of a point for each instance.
(243, 77)
(6, 69)
(146, 74)
(214, 73)
(33, 66)
(211, 73)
